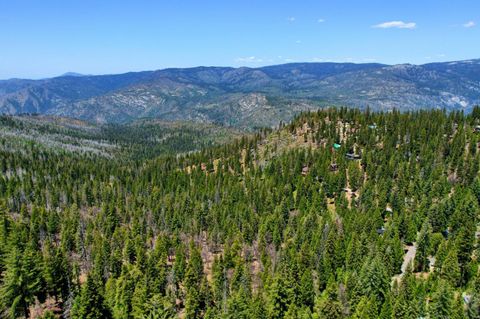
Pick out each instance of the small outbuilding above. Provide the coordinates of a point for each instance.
(445, 233)
(353, 156)
(333, 167)
(466, 298)
(305, 170)
(387, 212)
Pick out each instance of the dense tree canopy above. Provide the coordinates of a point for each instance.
(277, 225)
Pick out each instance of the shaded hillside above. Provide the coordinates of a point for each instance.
(140, 139)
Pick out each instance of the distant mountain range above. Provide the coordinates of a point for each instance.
(245, 97)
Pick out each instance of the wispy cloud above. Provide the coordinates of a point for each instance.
(291, 19)
(396, 24)
(321, 20)
(435, 56)
(298, 41)
(343, 59)
(248, 59)
(469, 24)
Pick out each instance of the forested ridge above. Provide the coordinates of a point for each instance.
(340, 214)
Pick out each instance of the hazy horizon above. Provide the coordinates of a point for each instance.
(74, 73)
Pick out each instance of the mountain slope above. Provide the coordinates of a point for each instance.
(141, 139)
(246, 97)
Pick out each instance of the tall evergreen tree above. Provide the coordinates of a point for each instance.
(423, 248)
(90, 304)
(442, 302)
(22, 282)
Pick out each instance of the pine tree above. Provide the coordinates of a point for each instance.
(21, 282)
(90, 304)
(328, 305)
(306, 293)
(4, 232)
(56, 272)
(139, 299)
(239, 305)
(423, 248)
(158, 307)
(366, 309)
(219, 284)
(442, 301)
(180, 265)
(411, 231)
(281, 295)
(458, 309)
(194, 301)
(374, 280)
(451, 269)
(328, 309)
(465, 244)
(386, 311)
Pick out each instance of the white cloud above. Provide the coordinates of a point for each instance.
(249, 59)
(396, 24)
(291, 19)
(298, 41)
(343, 59)
(469, 24)
(321, 20)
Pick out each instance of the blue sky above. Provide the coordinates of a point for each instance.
(47, 38)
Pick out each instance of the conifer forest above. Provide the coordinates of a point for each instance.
(341, 213)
